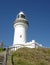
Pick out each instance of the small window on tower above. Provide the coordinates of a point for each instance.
(20, 36)
(22, 16)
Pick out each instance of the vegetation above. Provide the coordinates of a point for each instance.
(1, 49)
(27, 56)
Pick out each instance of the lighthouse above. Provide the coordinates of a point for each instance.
(20, 28)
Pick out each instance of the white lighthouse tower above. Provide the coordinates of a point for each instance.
(20, 26)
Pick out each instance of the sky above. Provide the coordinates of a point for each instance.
(37, 13)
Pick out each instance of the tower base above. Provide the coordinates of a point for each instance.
(31, 44)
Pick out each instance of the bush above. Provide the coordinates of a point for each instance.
(1, 49)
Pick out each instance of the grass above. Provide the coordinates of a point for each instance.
(1, 49)
(28, 56)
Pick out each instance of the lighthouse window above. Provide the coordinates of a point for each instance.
(22, 16)
(20, 36)
(18, 16)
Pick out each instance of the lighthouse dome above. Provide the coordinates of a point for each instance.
(21, 18)
(21, 15)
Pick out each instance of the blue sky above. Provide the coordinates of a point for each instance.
(37, 13)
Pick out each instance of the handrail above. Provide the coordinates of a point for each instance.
(5, 58)
(17, 46)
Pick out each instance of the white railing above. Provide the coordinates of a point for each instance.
(31, 45)
(5, 58)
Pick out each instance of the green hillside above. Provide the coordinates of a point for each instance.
(27, 56)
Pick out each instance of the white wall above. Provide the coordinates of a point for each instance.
(20, 33)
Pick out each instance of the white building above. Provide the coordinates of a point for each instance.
(20, 26)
